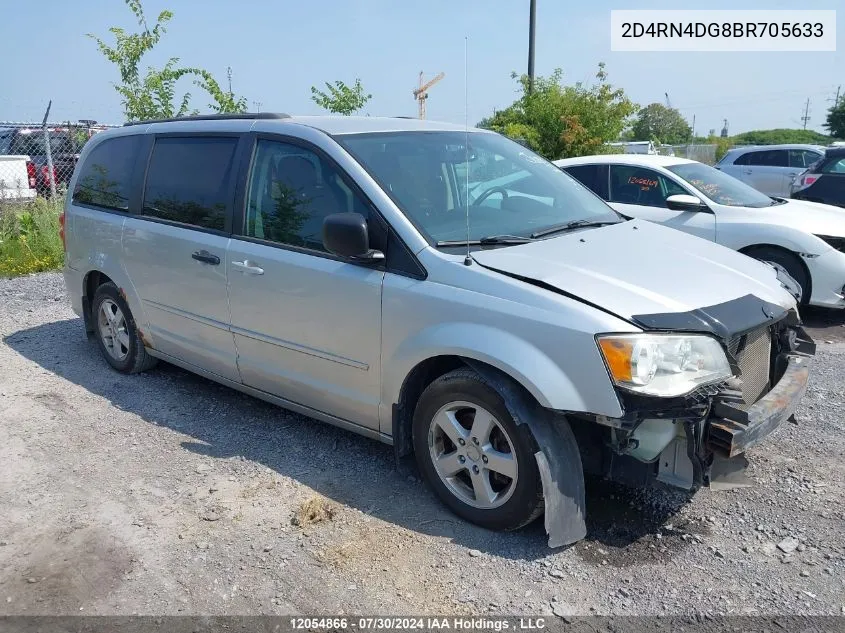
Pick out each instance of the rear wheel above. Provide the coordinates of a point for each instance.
(789, 261)
(117, 333)
(473, 454)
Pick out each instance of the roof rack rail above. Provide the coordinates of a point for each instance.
(215, 117)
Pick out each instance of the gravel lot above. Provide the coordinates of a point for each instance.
(164, 493)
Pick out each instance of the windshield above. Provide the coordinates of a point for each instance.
(719, 187)
(32, 143)
(510, 191)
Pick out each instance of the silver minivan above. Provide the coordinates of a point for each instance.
(443, 290)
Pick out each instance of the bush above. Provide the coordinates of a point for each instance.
(29, 237)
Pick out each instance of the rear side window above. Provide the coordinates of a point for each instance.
(594, 177)
(188, 180)
(802, 158)
(106, 177)
(769, 158)
(835, 167)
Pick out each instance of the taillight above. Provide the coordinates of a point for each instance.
(47, 175)
(30, 173)
(803, 181)
(62, 229)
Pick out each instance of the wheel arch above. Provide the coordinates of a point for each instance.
(748, 250)
(93, 279)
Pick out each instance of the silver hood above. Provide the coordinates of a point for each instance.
(637, 267)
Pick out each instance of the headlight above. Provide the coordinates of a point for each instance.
(664, 365)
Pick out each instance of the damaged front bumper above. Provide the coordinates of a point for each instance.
(733, 429)
(686, 442)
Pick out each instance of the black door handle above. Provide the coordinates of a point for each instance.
(206, 257)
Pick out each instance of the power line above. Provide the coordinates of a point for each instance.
(773, 96)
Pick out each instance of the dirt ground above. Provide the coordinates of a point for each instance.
(164, 493)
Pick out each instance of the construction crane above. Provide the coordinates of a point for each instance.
(421, 94)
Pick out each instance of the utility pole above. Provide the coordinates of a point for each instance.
(806, 116)
(532, 25)
(257, 105)
(836, 100)
(229, 75)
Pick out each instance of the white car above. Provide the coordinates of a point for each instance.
(805, 238)
(770, 168)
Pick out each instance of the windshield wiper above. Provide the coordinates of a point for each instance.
(490, 239)
(574, 224)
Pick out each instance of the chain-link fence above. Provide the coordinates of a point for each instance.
(38, 159)
(702, 153)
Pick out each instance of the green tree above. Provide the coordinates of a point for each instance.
(224, 101)
(340, 98)
(559, 121)
(778, 136)
(656, 122)
(835, 123)
(153, 95)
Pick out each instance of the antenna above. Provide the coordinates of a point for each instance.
(467, 259)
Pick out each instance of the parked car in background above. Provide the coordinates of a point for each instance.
(17, 178)
(64, 150)
(341, 267)
(770, 168)
(634, 147)
(825, 181)
(805, 238)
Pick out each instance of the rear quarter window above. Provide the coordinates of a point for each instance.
(105, 178)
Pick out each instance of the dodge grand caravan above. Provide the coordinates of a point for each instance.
(365, 272)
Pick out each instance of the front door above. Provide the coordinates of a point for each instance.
(175, 251)
(641, 192)
(307, 325)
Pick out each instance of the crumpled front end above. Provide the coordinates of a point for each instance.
(678, 441)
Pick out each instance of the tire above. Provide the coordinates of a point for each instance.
(790, 262)
(445, 414)
(117, 337)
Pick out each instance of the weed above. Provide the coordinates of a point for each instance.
(29, 237)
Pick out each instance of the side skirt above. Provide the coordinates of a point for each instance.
(281, 402)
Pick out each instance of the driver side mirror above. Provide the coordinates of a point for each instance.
(347, 235)
(684, 202)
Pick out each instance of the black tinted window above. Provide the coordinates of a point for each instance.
(106, 177)
(188, 180)
(291, 191)
(802, 158)
(594, 177)
(769, 158)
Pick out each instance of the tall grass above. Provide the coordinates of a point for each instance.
(29, 236)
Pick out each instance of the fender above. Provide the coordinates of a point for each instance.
(741, 236)
(523, 362)
(558, 460)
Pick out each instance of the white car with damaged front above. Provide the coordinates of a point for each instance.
(805, 238)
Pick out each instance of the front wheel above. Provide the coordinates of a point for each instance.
(474, 455)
